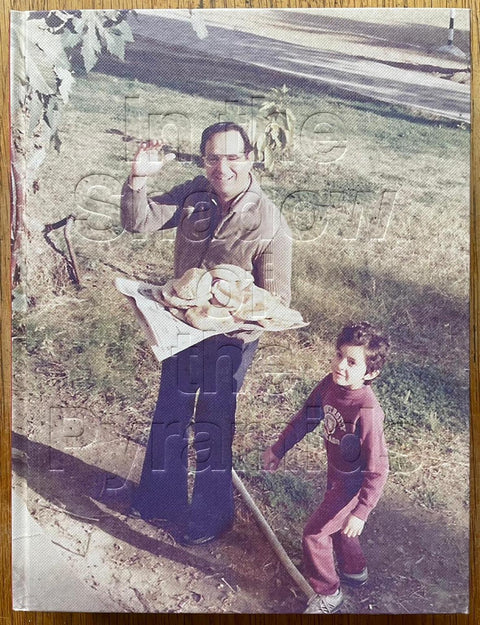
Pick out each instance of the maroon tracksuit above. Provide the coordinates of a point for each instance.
(357, 471)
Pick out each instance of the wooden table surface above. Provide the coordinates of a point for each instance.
(50, 618)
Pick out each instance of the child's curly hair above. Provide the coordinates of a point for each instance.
(377, 347)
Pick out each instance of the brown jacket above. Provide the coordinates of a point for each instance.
(253, 234)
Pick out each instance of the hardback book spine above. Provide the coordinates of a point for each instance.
(18, 134)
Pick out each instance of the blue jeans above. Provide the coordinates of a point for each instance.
(214, 370)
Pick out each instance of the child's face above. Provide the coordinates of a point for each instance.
(349, 367)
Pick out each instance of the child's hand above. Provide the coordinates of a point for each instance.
(270, 460)
(354, 526)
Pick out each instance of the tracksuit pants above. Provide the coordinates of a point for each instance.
(323, 537)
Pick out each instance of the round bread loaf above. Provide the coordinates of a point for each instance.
(221, 292)
(172, 290)
(257, 304)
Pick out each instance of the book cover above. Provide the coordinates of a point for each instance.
(322, 156)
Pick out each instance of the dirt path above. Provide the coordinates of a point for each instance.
(138, 565)
(80, 497)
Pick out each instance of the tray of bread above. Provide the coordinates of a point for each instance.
(203, 302)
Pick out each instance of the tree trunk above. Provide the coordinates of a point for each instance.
(18, 202)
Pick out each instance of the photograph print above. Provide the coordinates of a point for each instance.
(240, 286)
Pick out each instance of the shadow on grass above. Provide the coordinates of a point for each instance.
(201, 73)
(401, 36)
(76, 487)
(428, 329)
(406, 551)
(231, 65)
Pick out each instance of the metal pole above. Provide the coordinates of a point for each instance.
(272, 539)
(451, 27)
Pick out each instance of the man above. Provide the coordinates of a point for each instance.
(222, 217)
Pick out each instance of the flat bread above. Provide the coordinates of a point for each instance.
(275, 325)
(282, 318)
(232, 273)
(210, 318)
(193, 285)
(171, 298)
(257, 304)
(228, 294)
(178, 313)
(221, 299)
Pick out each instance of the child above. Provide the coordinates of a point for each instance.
(357, 463)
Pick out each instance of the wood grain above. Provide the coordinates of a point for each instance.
(32, 618)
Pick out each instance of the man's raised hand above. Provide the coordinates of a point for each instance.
(148, 161)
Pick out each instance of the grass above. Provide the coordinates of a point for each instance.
(428, 399)
(413, 281)
(94, 349)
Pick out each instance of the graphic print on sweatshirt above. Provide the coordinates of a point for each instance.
(333, 421)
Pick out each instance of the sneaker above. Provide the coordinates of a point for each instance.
(355, 579)
(325, 604)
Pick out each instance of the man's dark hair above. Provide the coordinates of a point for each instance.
(225, 127)
(377, 347)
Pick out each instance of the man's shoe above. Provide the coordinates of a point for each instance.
(355, 579)
(133, 513)
(325, 604)
(188, 539)
(197, 536)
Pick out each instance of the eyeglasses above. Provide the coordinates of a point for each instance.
(232, 159)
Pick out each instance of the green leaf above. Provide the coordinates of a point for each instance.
(123, 29)
(40, 72)
(91, 47)
(266, 106)
(20, 93)
(66, 82)
(52, 114)
(269, 161)
(115, 44)
(50, 43)
(18, 47)
(70, 40)
(290, 119)
(36, 110)
(260, 143)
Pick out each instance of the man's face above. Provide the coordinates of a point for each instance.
(227, 167)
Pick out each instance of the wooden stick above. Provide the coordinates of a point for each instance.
(272, 539)
(66, 231)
